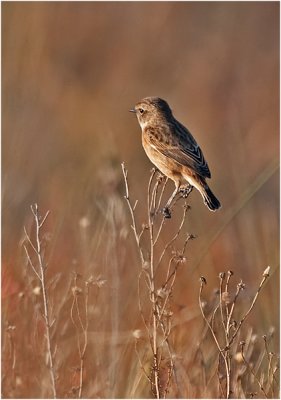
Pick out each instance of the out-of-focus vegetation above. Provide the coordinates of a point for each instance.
(70, 73)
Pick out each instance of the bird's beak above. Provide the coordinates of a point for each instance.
(133, 110)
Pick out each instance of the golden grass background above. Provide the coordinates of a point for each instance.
(70, 73)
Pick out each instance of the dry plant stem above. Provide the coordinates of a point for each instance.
(152, 291)
(152, 202)
(160, 230)
(174, 238)
(81, 348)
(269, 357)
(270, 370)
(228, 317)
(222, 352)
(212, 321)
(140, 306)
(10, 330)
(226, 313)
(157, 210)
(40, 273)
(265, 276)
(156, 309)
(274, 378)
(251, 370)
(140, 362)
(221, 276)
(162, 192)
(238, 290)
(180, 259)
(269, 380)
(205, 318)
(131, 208)
(225, 356)
(151, 205)
(158, 323)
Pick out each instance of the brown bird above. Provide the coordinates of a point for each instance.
(174, 151)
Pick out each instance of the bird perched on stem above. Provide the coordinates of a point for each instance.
(174, 151)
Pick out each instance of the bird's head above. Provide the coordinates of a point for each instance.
(150, 110)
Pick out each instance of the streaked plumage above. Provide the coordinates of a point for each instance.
(172, 148)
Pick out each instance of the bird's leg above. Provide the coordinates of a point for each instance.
(186, 190)
(166, 210)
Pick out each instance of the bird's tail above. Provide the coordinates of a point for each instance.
(208, 196)
(210, 199)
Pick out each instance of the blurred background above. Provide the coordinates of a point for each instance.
(70, 73)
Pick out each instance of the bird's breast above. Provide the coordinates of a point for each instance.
(166, 165)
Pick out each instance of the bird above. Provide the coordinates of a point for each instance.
(173, 150)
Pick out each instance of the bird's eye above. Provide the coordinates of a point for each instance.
(141, 110)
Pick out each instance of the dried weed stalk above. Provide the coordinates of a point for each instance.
(225, 327)
(79, 314)
(160, 262)
(35, 252)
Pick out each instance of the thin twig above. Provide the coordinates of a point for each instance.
(251, 369)
(41, 275)
(202, 283)
(174, 238)
(265, 276)
(137, 236)
(152, 290)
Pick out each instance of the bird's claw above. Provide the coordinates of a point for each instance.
(185, 191)
(166, 212)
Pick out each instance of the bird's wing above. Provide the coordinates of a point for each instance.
(181, 147)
